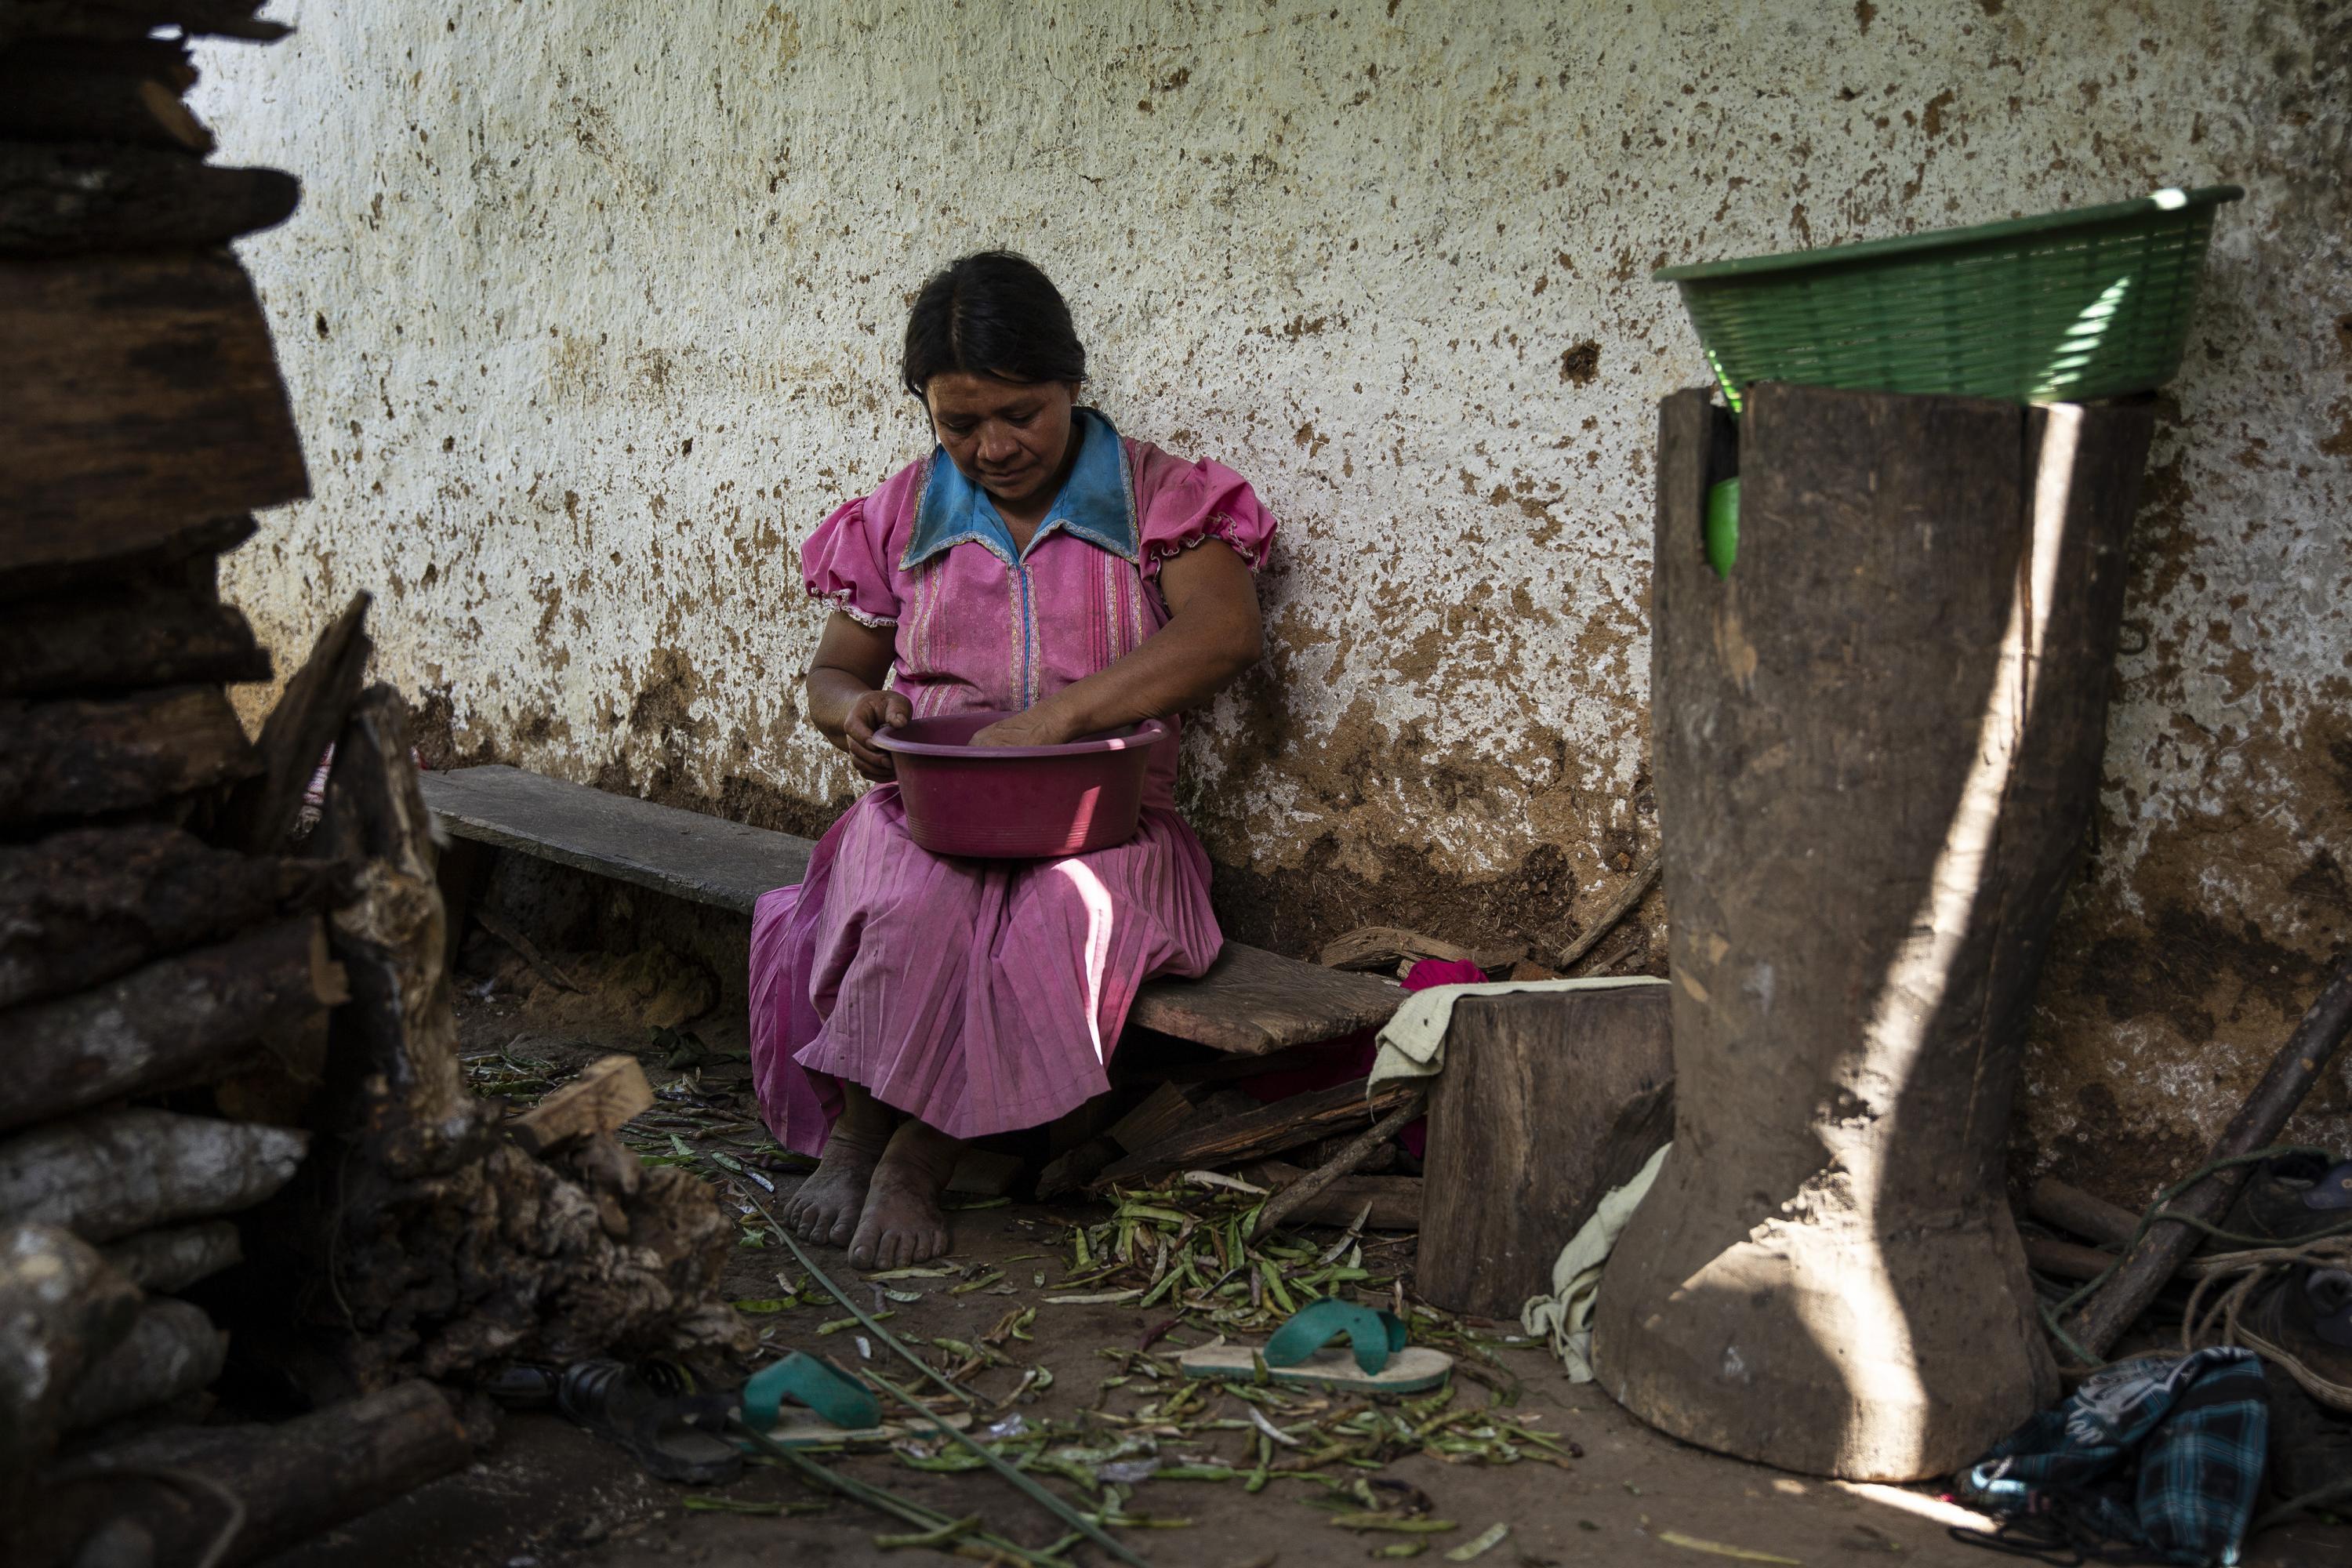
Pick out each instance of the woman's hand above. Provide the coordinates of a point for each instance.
(874, 711)
(1043, 726)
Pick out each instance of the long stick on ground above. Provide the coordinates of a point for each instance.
(2115, 1304)
(1636, 888)
(1352, 1153)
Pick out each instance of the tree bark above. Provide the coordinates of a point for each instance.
(84, 906)
(165, 1262)
(165, 1025)
(62, 1309)
(172, 1350)
(75, 759)
(63, 200)
(108, 1174)
(151, 401)
(126, 641)
(1877, 753)
(261, 814)
(294, 1480)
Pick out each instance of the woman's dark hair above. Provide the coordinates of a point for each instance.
(992, 314)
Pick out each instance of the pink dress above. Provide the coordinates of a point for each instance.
(984, 995)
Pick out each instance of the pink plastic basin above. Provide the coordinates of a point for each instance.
(1018, 803)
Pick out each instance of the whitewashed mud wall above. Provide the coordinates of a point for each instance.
(591, 312)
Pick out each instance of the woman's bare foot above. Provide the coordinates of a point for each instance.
(826, 1206)
(903, 1223)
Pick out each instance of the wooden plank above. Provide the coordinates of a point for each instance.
(1253, 1002)
(146, 398)
(1547, 1102)
(1284, 1125)
(1250, 1003)
(703, 859)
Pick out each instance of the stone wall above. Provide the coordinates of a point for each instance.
(591, 313)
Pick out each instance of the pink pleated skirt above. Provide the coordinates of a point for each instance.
(978, 996)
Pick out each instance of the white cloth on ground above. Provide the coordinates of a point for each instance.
(1565, 1317)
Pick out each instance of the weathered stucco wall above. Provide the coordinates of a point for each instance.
(591, 311)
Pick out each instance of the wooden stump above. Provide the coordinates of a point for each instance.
(1877, 744)
(1547, 1102)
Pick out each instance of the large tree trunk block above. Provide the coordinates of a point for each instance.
(142, 634)
(1547, 1102)
(1877, 744)
(57, 200)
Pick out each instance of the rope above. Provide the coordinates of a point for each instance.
(2155, 1212)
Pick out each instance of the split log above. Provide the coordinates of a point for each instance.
(2054, 1202)
(147, 398)
(172, 1351)
(126, 641)
(1395, 1202)
(1284, 1125)
(173, 547)
(40, 101)
(2101, 1320)
(83, 759)
(310, 711)
(164, 1262)
(1156, 1116)
(448, 1248)
(293, 1480)
(82, 907)
(1345, 1161)
(1548, 1101)
(62, 1309)
(606, 1094)
(63, 200)
(165, 1025)
(109, 1174)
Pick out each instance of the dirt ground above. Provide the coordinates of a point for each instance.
(546, 1493)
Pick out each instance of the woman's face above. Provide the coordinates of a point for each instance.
(1008, 436)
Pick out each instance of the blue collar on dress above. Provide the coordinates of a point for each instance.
(1097, 503)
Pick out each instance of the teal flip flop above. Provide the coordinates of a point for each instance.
(1378, 1360)
(828, 1407)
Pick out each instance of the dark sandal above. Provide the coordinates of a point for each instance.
(650, 1412)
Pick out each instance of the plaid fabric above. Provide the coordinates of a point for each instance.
(2163, 1454)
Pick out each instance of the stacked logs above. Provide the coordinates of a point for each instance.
(145, 951)
(201, 1015)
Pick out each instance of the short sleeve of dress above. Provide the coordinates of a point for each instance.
(1184, 504)
(843, 562)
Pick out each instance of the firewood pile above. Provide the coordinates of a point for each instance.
(239, 1168)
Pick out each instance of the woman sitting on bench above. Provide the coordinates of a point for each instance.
(1038, 564)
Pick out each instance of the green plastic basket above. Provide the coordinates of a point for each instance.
(2094, 303)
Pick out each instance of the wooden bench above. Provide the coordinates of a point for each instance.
(1251, 1001)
